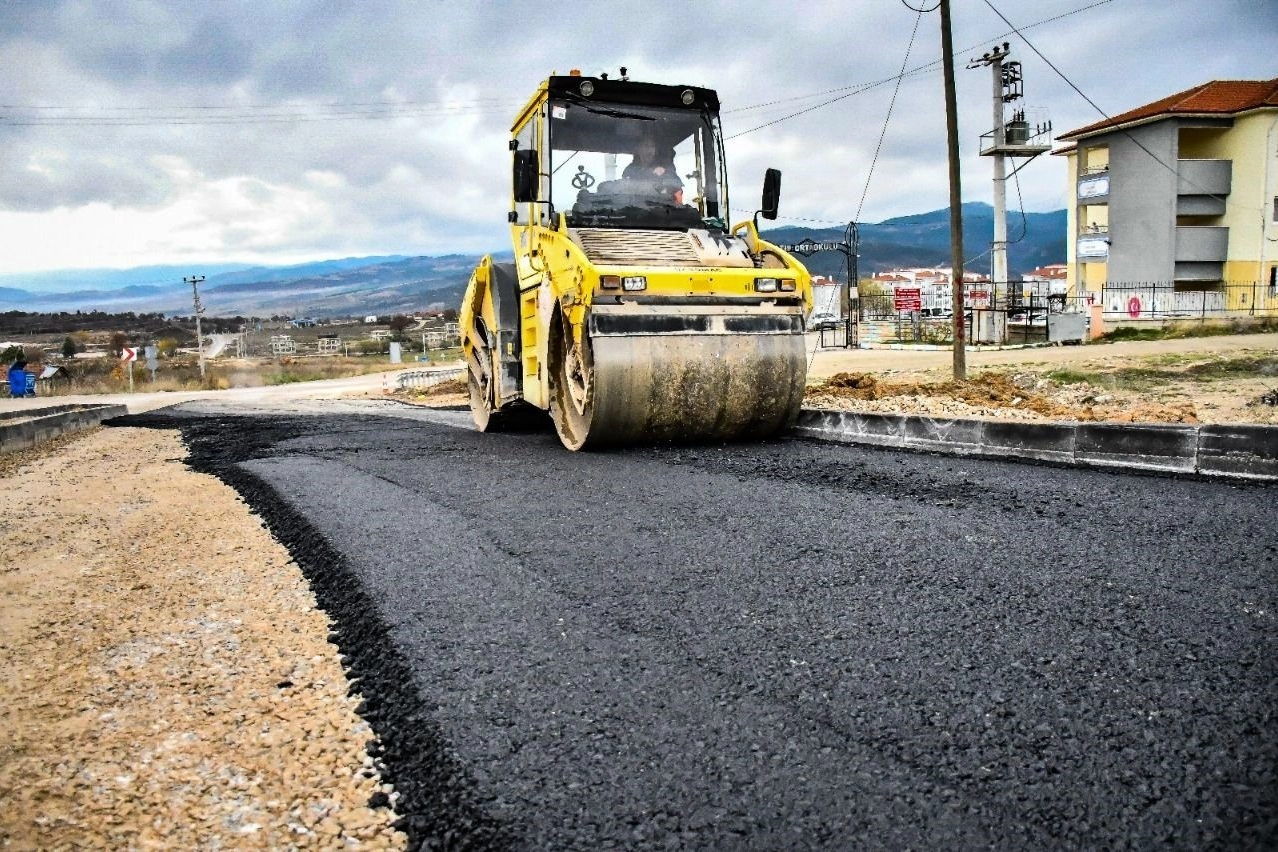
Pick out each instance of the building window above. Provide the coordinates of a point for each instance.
(1276, 208)
(1273, 281)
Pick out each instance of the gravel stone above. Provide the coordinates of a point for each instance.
(147, 620)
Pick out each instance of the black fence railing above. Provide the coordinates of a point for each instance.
(1118, 301)
(1183, 300)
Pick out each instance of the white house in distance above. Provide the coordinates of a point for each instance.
(1044, 281)
(827, 295)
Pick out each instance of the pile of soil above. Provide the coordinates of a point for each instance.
(449, 393)
(996, 395)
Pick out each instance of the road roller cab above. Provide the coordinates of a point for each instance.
(633, 312)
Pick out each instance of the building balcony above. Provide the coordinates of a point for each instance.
(1201, 252)
(1202, 244)
(1204, 177)
(1202, 185)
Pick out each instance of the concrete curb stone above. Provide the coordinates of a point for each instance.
(1238, 451)
(1143, 446)
(886, 430)
(1053, 442)
(959, 436)
(26, 428)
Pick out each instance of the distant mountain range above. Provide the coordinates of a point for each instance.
(401, 284)
(923, 240)
(347, 287)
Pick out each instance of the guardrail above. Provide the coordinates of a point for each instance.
(427, 378)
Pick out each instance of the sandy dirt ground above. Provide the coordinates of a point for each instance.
(1226, 379)
(167, 680)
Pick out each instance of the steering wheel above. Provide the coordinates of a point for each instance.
(582, 179)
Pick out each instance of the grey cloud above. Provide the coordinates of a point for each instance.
(212, 52)
(150, 57)
(27, 18)
(115, 179)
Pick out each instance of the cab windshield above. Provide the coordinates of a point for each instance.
(622, 166)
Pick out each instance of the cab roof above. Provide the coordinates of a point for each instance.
(612, 91)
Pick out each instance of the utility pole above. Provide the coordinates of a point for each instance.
(1008, 139)
(998, 250)
(956, 197)
(194, 281)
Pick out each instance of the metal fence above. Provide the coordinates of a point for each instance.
(1181, 300)
(427, 378)
(1133, 301)
(932, 302)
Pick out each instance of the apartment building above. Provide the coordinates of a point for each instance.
(1181, 192)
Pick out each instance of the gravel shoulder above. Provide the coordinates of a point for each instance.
(167, 681)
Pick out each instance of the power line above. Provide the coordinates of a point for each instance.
(282, 116)
(1096, 107)
(917, 70)
(111, 116)
(883, 131)
(1020, 202)
(842, 223)
(322, 105)
(858, 87)
(864, 88)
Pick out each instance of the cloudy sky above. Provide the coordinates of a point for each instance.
(274, 131)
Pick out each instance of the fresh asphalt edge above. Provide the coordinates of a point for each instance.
(1233, 451)
(437, 805)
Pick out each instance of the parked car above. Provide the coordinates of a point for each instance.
(823, 319)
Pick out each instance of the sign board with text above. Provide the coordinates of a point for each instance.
(908, 299)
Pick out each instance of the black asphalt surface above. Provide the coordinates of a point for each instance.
(786, 645)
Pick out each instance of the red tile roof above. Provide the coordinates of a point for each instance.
(1219, 97)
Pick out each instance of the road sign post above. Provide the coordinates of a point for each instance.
(849, 247)
(128, 356)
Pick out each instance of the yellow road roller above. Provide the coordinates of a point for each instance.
(632, 312)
